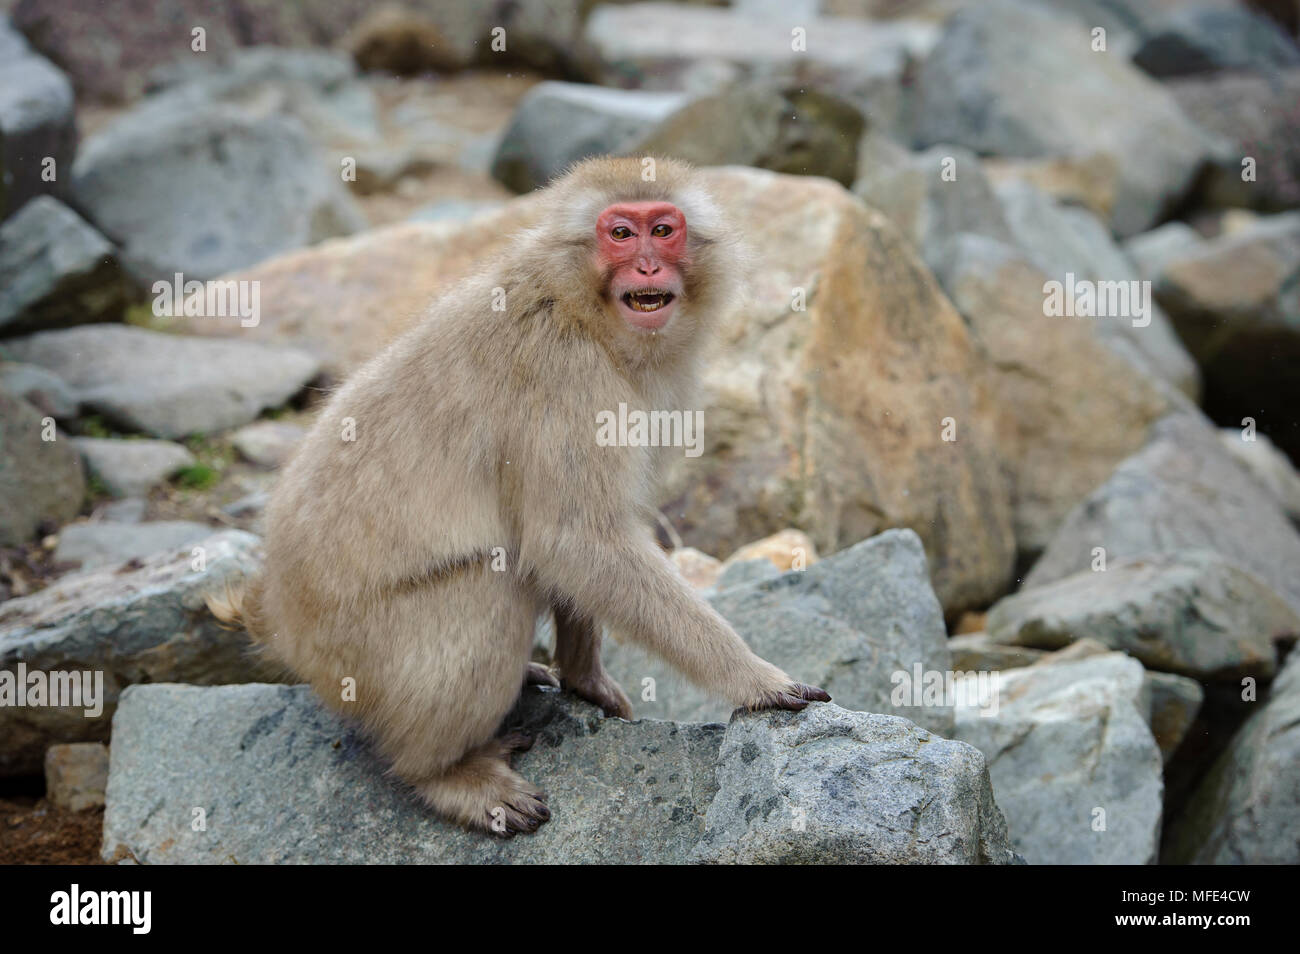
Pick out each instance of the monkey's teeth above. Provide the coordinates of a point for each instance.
(647, 301)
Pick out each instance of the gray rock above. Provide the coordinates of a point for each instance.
(829, 786)
(76, 775)
(55, 271)
(250, 505)
(1175, 702)
(669, 46)
(1149, 251)
(931, 209)
(40, 481)
(559, 123)
(1244, 811)
(147, 624)
(1201, 39)
(1064, 741)
(168, 385)
(95, 545)
(454, 210)
(1182, 491)
(282, 780)
(1062, 240)
(40, 388)
(1259, 455)
(745, 572)
(203, 189)
(853, 623)
(132, 468)
(972, 91)
(976, 652)
(126, 510)
(36, 121)
(1260, 117)
(1235, 301)
(1068, 370)
(1190, 612)
(267, 443)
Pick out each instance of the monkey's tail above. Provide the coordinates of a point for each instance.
(239, 606)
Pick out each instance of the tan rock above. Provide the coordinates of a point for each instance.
(1089, 181)
(1070, 405)
(76, 775)
(788, 549)
(700, 569)
(828, 418)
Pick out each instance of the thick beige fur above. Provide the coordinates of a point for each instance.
(477, 431)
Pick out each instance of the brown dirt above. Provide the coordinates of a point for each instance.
(33, 832)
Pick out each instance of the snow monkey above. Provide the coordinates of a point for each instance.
(454, 489)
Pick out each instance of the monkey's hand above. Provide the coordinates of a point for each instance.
(788, 694)
(600, 689)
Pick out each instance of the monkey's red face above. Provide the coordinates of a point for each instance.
(641, 247)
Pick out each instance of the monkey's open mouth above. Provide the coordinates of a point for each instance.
(646, 300)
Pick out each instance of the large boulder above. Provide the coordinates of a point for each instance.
(1181, 491)
(110, 628)
(803, 132)
(675, 46)
(850, 623)
(168, 385)
(1260, 116)
(42, 483)
(1244, 810)
(202, 188)
(1235, 301)
(1064, 241)
(1071, 406)
(134, 38)
(280, 779)
(1189, 612)
(55, 271)
(832, 786)
(37, 123)
(1209, 37)
(825, 403)
(932, 196)
(1259, 455)
(40, 388)
(1013, 80)
(1074, 764)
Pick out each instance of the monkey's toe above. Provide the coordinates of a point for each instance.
(517, 741)
(521, 813)
(794, 698)
(604, 692)
(539, 675)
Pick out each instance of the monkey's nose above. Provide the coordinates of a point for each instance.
(648, 268)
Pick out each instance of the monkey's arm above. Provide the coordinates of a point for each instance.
(622, 578)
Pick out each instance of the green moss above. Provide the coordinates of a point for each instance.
(93, 425)
(197, 477)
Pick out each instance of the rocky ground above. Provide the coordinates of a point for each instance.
(1047, 563)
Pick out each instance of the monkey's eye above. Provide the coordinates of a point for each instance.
(662, 231)
(621, 232)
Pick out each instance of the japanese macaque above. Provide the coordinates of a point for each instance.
(454, 489)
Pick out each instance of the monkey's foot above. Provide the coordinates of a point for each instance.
(482, 791)
(599, 689)
(539, 675)
(794, 696)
